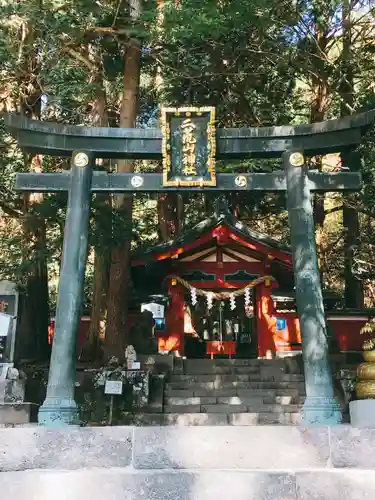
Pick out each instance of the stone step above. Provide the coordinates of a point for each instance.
(237, 378)
(228, 370)
(234, 400)
(252, 401)
(194, 408)
(231, 392)
(221, 384)
(212, 419)
(249, 408)
(271, 392)
(210, 378)
(232, 408)
(173, 401)
(265, 418)
(240, 366)
(195, 363)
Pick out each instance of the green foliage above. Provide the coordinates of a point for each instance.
(228, 54)
(255, 60)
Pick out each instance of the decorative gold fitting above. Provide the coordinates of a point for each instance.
(240, 181)
(136, 181)
(81, 160)
(297, 159)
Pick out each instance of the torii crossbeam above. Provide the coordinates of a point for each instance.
(151, 183)
(189, 144)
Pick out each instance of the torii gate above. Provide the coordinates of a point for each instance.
(189, 144)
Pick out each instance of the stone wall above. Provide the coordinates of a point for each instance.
(92, 402)
(188, 463)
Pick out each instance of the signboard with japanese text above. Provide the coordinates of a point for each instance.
(6, 324)
(9, 298)
(157, 310)
(113, 387)
(280, 324)
(7, 304)
(189, 146)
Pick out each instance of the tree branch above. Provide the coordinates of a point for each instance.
(9, 210)
(333, 210)
(79, 57)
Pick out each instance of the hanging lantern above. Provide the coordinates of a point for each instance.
(232, 301)
(194, 299)
(210, 299)
(249, 311)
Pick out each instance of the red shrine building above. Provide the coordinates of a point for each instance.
(230, 291)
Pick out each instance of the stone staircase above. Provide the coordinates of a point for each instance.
(237, 392)
(231, 392)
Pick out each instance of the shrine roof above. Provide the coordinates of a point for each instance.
(192, 240)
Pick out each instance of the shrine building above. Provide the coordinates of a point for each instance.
(229, 290)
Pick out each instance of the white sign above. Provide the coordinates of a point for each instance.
(157, 310)
(113, 387)
(135, 365)
(6, 323)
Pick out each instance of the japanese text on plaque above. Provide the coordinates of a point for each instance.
(189, 146)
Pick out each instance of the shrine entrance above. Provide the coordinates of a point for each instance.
(220, 332)
(189, 144)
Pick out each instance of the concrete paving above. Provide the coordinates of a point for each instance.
(188, 463)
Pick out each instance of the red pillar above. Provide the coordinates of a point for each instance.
(175, 319)
(265, 320)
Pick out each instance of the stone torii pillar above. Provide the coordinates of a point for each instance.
(320, 407)
(59, 407)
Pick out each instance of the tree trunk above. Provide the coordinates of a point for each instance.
(318, 113)
(354, 291)
(170, 206)
(33, 332)
(119, 277)
(91, 347)
(99, 118)
(170, 215)
(354, 294)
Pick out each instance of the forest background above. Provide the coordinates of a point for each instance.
(114, 63)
